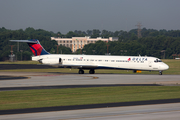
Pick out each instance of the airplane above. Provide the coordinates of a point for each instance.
(92, 62)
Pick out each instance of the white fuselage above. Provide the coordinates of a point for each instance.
(103, 62)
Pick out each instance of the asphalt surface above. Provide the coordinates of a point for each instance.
(51, 79)
(23, 66)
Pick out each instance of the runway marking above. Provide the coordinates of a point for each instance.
(47, 75)
(93, 77)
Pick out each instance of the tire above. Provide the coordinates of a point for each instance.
(81, 72)
(91, 71)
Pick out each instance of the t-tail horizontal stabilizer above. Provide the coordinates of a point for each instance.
(35, 46)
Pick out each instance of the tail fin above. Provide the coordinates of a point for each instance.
(35, 46)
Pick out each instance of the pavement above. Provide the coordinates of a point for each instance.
(56, 79)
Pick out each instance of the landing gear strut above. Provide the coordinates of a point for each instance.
(160, 72)
(81, 71)
(91, 71)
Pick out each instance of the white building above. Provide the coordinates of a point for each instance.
(79, 42)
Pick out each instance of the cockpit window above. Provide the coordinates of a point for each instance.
(157, 60)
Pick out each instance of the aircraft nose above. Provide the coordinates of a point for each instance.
(164, 66)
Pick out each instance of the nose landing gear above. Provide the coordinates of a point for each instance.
(160, 72)
(91, 71)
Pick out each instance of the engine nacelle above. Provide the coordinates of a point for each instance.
(51, 61)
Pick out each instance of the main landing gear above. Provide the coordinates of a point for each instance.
(91, 71)
(160, 72)
(81, 71)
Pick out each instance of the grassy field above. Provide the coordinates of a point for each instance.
(81, 96)
(19, 62)
(174, 68)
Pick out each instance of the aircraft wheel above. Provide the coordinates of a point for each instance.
(91, 71)
(81, 71)
(160, 72)
(134, 71)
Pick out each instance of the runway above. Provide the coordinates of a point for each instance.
(144, 112)
(158, 111)
(54, 79)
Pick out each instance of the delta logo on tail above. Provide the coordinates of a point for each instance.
(36, 48)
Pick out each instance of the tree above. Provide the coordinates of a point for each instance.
(64, 50)
(151, 44)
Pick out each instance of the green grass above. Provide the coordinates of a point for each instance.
(174, 66)
(81, 96)
(19, 62)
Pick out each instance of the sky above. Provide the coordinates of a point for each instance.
(69, 15)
